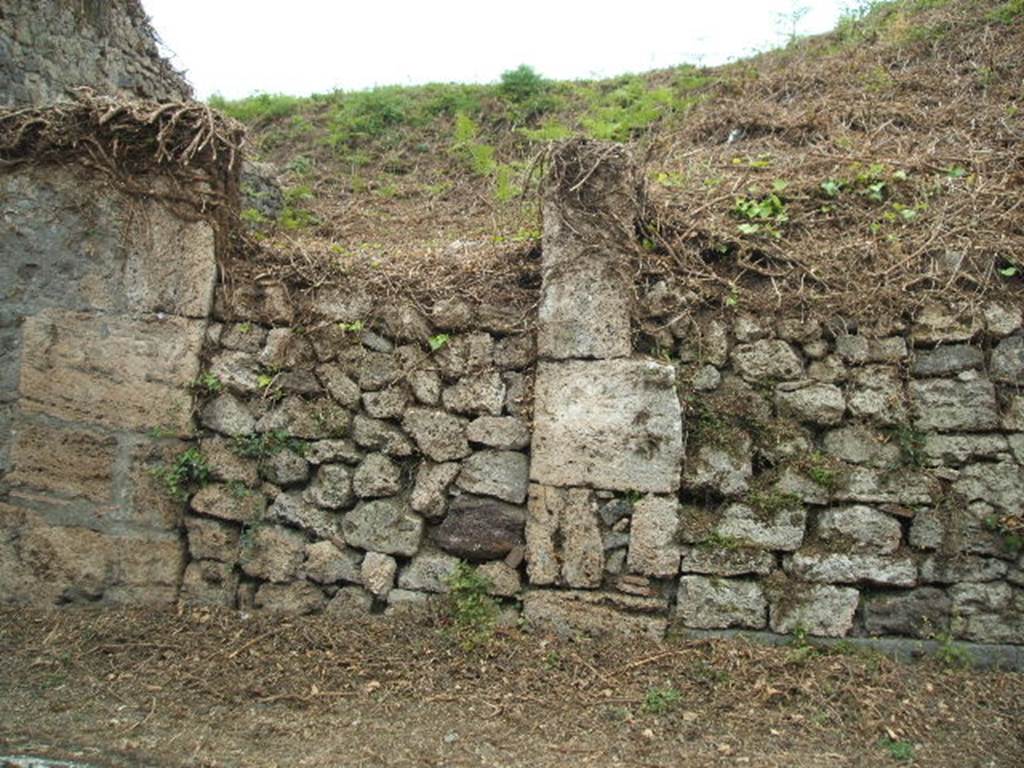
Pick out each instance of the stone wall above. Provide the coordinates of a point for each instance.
(726, 471)
(49, 46)
(104, 309)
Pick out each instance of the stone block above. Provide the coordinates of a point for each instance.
(376, 476)
(272, 553)
(378, 574)
(479, 395)
(782, 530)
(350, 601)
(212, 540)
(721, 468)
(767, 359)
(428, 572)
(478, 528)
(955, 450)
(229, 503)
(948, 405)
(875, 393)
(939, 323)
(209, 582)
(860, 529)
(376, 435)
(502, 579)
(988, 613)
(1008, 361)
(839, 568)
(291, 599)
(285, 467)
(465, 354)
(815, 609)
(227, 415)
(327, 563)
(714, 560)
(505, 432)
(121, 373)
(439, 435)
(563, 539)
(331, 489)
(68, 462)
(859, 350)
(713, 603)
(385, 526)
(922, 612)
(815, 403)
(598, 614)
(502, 474)
(430, 492)
(226, 465)
(653, 547)
(946, 360)
(859, 444)
(612, 424)
(292, 509)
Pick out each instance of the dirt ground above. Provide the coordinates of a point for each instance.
(201, 688)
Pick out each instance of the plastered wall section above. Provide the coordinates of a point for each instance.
(104, 306)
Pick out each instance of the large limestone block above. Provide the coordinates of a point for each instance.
(64, 461)
(594, 613)
(563, 539)
(820, 609)
(588, 223)
(949, 405)
(712, 603)
(119, 372)
(612, 424)
(653, 544)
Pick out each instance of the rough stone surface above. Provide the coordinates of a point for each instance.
(815, 403)
(208, 582)
(332, 488)
(724, 469)
(478, 528)
(858, 444)
(859, 350)
(502, 474)
(272, 552)
(937, 324)
(596, 614)
(711, 603)
(476, 395)
(860, 529)
(922, 612)
(377, 435)
(952, 569)
(426, 386)
(284, 468)
(783, 530)
(63, 461)
(837, 568)
(872, 486)
(227, 503)
(817, 610)
(378, 572)
(227, 466)
(767, 359)
(377, 476)
(465, 354)
(428, 572)
(439, 435)
(505, 432)
(339, 385)
(653, 547)
(726, 561)
(948, 405)
(955, 450)
(430, 492)
(227, 415)
(875, 393)
(332, 451)
(502, 579)
(327, 563)
(386, 404)
(946, 360)
(1008, 361)
(383, 526)
(988, 613)
(118, 372)
(292, 509)
(563, 540)
(1002, 319)
(350, 601)
(611, 424)
(294, 598)
(212, 540)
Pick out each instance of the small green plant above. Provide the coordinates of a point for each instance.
(354, 327)
(187, 473)
(473, 611)
(762, 213)
(208, 383)
(770, 502)
(900, 751)
(438, 341)
(658, 701)
(715, 540)
(911, 444)
(1008, 12)
(952, 654)
(1009, 528)
(295, 215)
(264, 444)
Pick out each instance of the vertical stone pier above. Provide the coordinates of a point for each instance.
(605, 423)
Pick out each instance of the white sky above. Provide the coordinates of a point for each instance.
(240, 47)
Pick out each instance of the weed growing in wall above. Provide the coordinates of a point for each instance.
(473, 611)
(187, 473)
